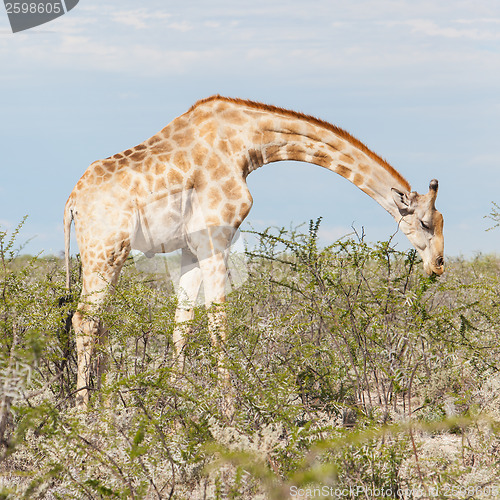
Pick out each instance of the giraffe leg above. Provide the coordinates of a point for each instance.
(212, 249)
(102, 357)
(86, 326)
(189, 286)
(214, 281)
(98, 281)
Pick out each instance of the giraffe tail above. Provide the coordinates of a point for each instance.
(68, 219)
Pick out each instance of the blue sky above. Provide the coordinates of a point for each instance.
(417, 81)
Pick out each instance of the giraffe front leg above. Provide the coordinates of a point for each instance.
(182, 328)
(214, 280)
(189, 286)
(217, 325)
(102, 356)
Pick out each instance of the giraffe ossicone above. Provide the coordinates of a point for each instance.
(185, 188)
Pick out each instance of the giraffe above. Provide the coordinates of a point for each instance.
(185, 187)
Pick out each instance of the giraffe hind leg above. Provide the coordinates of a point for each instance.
(86, 326)
(98, 282)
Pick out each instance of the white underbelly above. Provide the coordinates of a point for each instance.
(151, 237)
(167, 224)
(159, 227)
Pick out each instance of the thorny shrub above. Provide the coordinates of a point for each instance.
(344, 361)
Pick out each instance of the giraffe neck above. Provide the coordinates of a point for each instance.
(265, 134)
(313, 141)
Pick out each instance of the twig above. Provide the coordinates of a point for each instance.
(112, 461)
(7, 400)
(410, 431)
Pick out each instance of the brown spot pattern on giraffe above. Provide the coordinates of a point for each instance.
(311, 119)
(343, 171)
(358, 179)
(175, 177)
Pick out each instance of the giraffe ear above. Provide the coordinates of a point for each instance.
(403, 202)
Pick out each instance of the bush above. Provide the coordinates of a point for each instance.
(346, 365)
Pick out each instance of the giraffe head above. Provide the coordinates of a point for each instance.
(423, 225)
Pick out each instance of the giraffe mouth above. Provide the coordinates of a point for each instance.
(438, 271)
(435, 269)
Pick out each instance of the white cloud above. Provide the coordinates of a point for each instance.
(130, 19)
(478, 20)
(212, 24)
(181, 26)
(327, 43)
(431, 28)
(138, 18)
(76, 46)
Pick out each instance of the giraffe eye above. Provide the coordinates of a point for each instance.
(424, 225)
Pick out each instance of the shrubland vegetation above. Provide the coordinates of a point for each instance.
(352, 375)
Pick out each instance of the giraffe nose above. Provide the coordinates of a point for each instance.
(440, 261)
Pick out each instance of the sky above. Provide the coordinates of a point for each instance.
(417, 81)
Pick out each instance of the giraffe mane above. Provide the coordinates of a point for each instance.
(311, 119)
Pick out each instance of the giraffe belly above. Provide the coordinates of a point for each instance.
(158, 228)
(174, 221)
